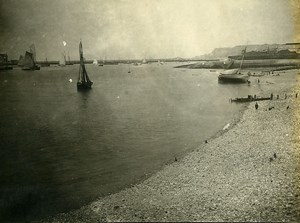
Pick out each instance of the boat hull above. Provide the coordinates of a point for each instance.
(84, 85)
(31, 68)
(233, 78)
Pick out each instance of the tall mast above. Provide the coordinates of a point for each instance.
(82, 77)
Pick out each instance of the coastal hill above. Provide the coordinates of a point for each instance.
(224, 52)
(275, 56)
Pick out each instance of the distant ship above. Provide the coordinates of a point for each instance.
(268, 54)
(62, 61)
(20, 61)
(29, 63)
(234, 75)
(95, 62)
(45, 64)
(84, 82)
(29, 60)
(101, 63)
(69, 61)
(111, 63)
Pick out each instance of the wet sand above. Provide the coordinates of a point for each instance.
(250, 172)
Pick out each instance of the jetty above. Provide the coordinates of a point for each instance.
(251, 98)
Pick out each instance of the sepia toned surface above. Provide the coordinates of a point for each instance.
(248, 173)
(133, 148)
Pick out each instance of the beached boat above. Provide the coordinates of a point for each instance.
(234, 75)
(84, 82)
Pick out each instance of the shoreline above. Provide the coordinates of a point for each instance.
(230, 178)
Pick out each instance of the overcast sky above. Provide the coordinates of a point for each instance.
(140, 28)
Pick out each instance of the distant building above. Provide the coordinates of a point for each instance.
(268, 54)
(4, 63)
(3, 58)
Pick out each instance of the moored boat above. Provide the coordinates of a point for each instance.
(84, 82)
(45, 64)
(28, 62)
(69, 62)
(95, 62)
(234, 75)
(62, 61)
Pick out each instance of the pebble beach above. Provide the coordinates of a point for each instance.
(249, 171)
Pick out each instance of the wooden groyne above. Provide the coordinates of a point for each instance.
(251, 98)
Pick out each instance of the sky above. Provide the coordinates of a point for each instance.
(134, 29)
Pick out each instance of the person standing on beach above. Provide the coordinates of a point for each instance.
(256, 106)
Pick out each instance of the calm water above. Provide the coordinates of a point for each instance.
(61, 149)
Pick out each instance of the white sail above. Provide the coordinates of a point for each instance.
(21, 60)
(28, 61)
(62, 61)
(95, 62)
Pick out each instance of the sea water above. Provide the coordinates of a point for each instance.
(61, 149)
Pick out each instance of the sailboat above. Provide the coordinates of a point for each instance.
(62, 61)
(101, 64)
(45, 64)
(95, 62)
(84, 82)
(69, 60)
(29, 60)
(20, 62)
(234, 75)
(29, 63)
